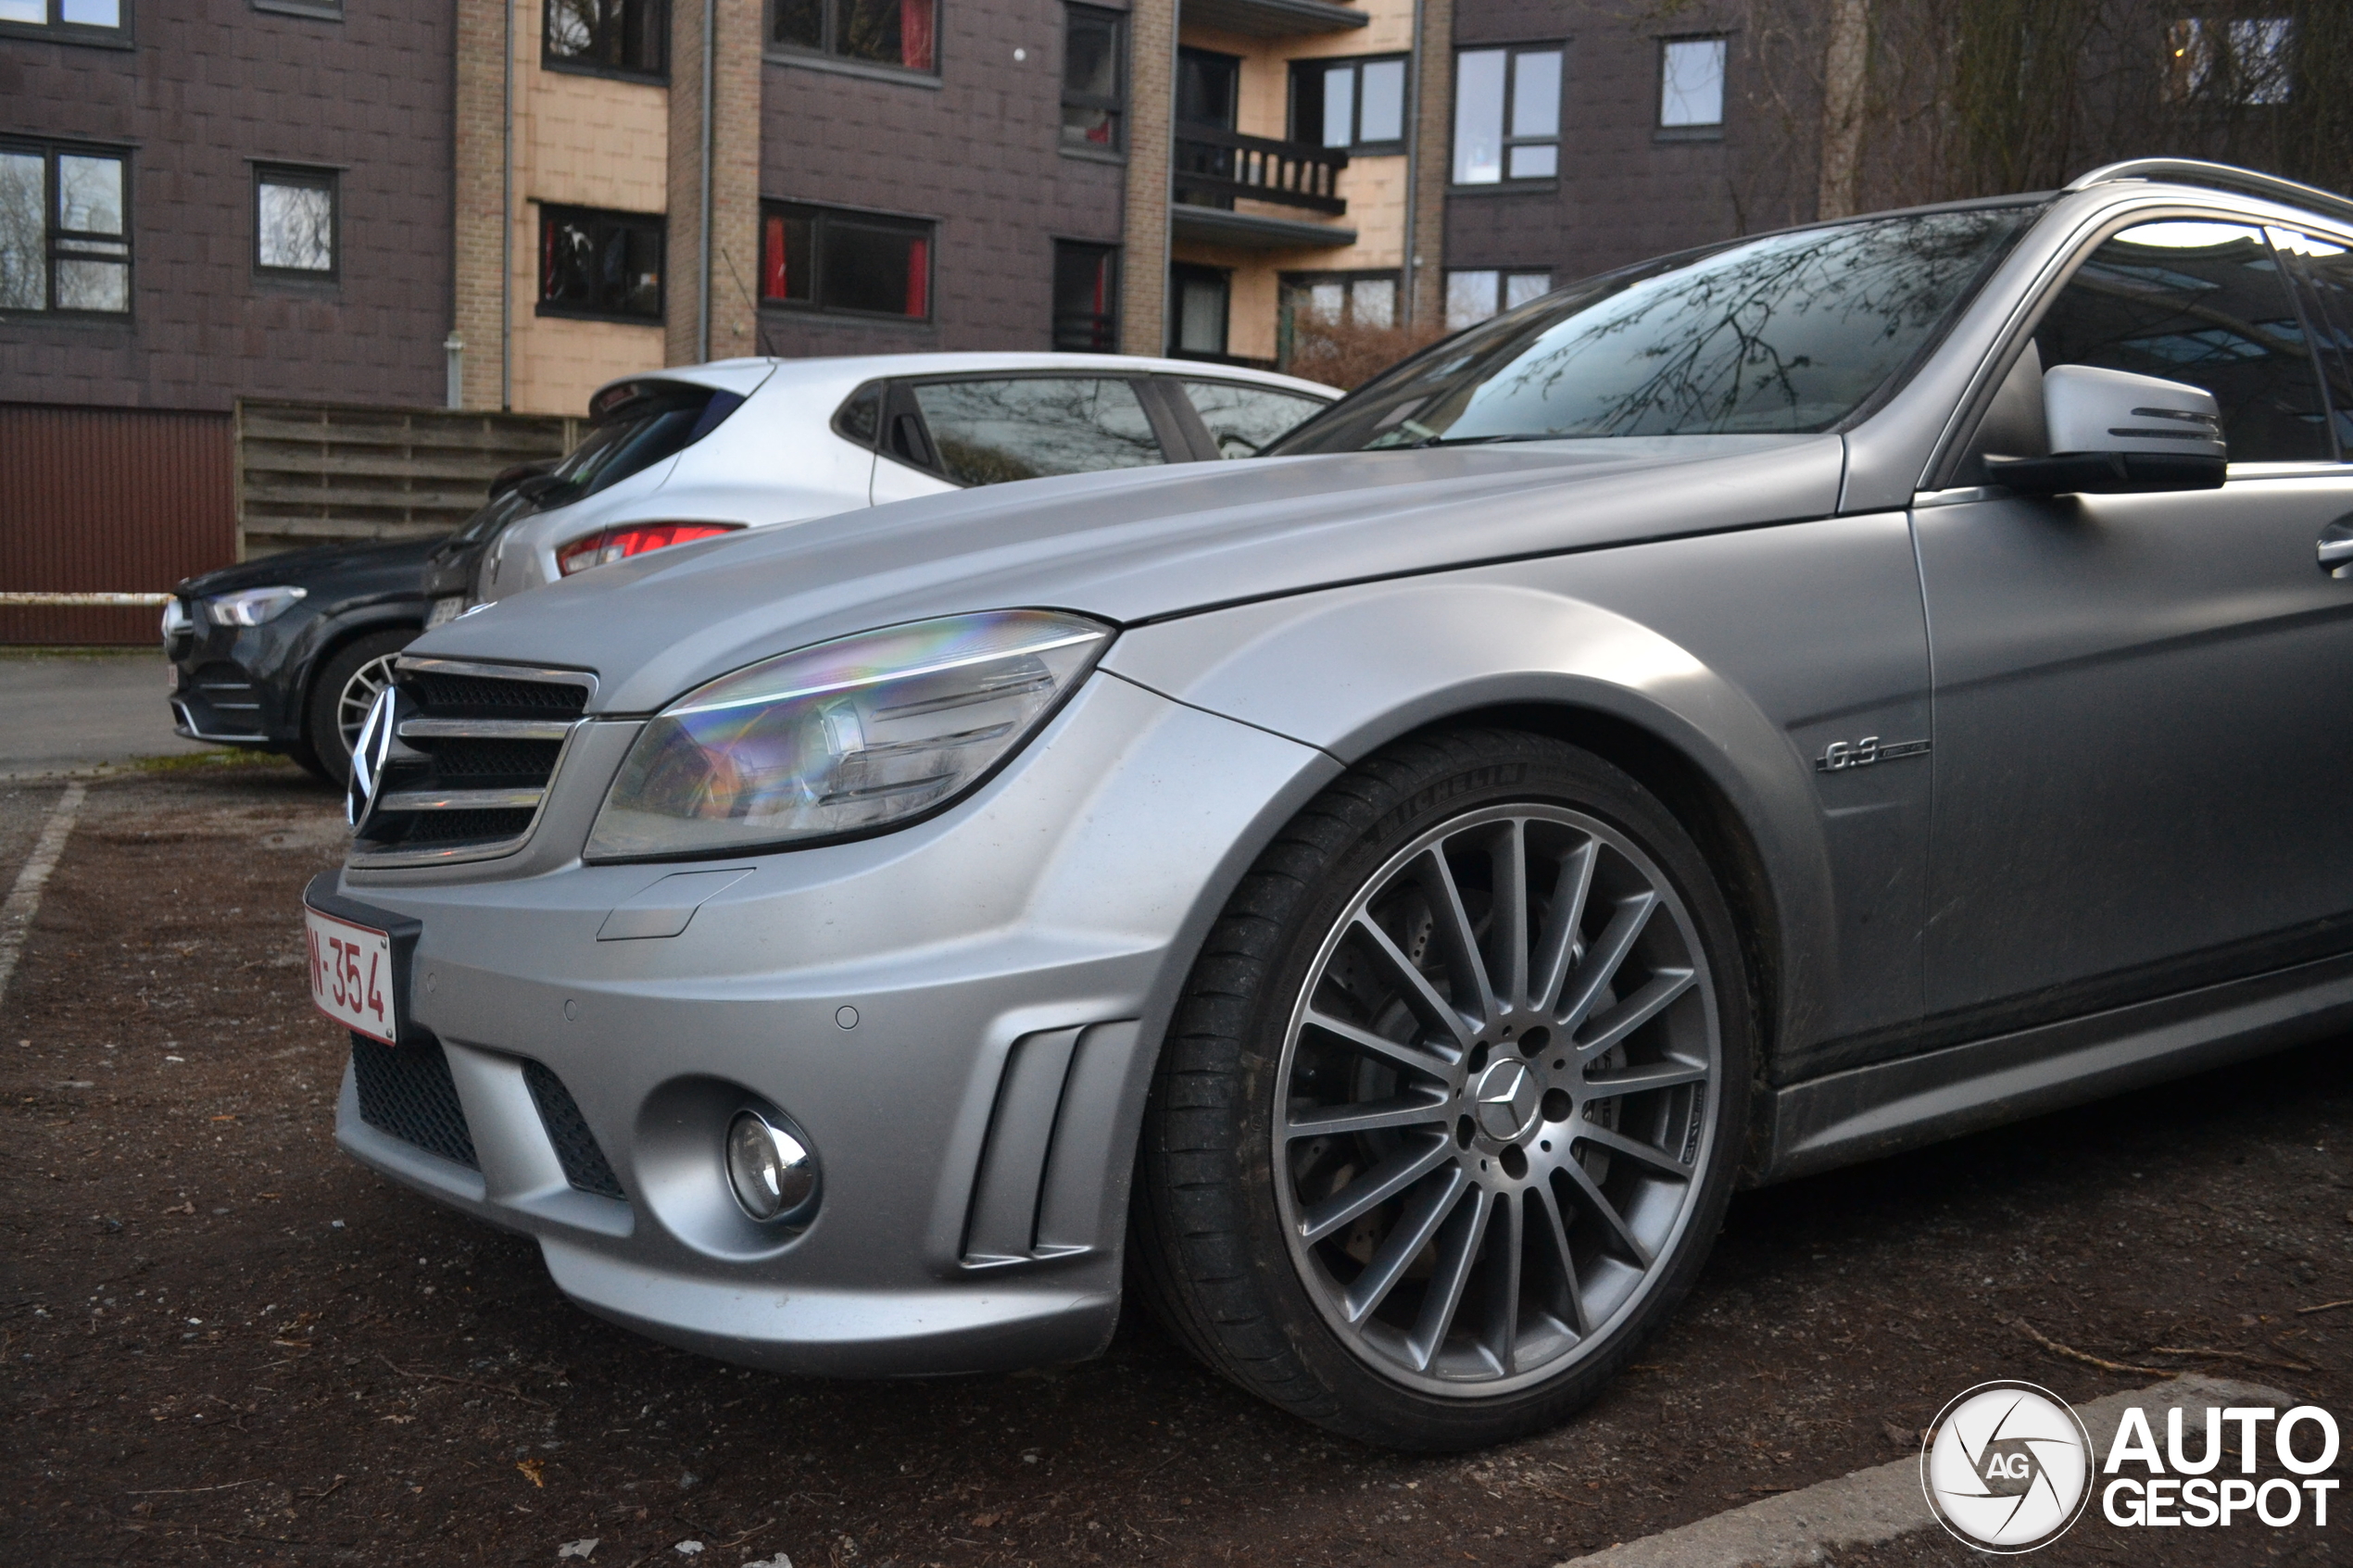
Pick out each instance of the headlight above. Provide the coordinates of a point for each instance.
(252, 605)
(849, 735)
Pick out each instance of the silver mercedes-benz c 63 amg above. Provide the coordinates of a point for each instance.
(1738, 715)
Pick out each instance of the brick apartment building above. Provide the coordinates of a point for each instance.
(496, 204)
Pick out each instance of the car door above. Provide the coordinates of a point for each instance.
(989, 430)
(2144, 702)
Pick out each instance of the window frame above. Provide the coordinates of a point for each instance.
(829, 57)
(308, 10)
(1224, 276)
(1503, 276)
(1697, 131)
(1105, 254)
(57, 31)
(577, 65)
(1506, 142)
(1357, 147)
(1116, 104)
(824, 216)
(660, 224)
(1295, 286)
(54, 235)
(310, 176)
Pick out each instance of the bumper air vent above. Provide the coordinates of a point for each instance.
(577, 1149)
(406, 1092)
(474, 749)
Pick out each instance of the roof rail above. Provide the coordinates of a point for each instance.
(2193, 171)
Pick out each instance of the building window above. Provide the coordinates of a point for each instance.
(1086, 298)
(1690, 84)
(2244, 61)
(1358, 104)
(883, 32)
(294, 223)
(625, 37)
(65, 19)
(1475, 294)
(1094, 80)
(1507, 114)
(65, 232)
(600, 264)
(1342, 299)
(1200, 311)
(822, 258)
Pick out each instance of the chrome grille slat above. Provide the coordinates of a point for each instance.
(462, 801)
(484, 729)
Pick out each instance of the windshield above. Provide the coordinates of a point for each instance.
(1787, 333)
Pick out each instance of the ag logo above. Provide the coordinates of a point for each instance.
(2009, 1469)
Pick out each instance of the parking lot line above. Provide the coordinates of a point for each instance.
(24, 898)
(1869, 1507)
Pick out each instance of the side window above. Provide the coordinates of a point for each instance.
(1244, 418)
(2323, 269)
(989, 432)
(2202, 303)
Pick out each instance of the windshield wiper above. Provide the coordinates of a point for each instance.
(1490, 440)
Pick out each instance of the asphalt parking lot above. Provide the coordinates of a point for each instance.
(225, 1343)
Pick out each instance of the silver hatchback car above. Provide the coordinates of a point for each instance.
(1736, 716)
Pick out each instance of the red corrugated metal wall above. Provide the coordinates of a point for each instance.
(109, 500)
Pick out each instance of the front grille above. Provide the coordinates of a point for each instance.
(475, 751)
(406, 1091)
(577, 1149)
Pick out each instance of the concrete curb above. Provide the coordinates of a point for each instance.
(1871, 1506)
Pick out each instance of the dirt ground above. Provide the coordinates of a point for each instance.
(226, 1343)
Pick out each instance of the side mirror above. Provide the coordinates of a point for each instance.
(2111, 430)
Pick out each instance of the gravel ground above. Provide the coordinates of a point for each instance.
(225, 1343)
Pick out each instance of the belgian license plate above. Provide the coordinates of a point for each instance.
(351, 975)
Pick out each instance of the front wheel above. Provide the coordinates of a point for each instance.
(1452, 1104)
(341, 693)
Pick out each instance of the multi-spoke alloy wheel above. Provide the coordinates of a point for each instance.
(1449, 1117)
(342, 690)
(1495, 1089)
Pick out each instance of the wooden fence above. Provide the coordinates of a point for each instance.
(313, 473)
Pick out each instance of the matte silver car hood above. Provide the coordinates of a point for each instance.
(1132, 546)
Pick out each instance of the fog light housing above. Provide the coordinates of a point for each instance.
(772, 1171)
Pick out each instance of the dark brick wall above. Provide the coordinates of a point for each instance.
(977, 153)
(1625, 193)
(212, 84)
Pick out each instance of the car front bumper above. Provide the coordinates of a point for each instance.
(961, 1016)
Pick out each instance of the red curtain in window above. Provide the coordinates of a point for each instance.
(918, 277)
(915, 36)
(772, 279)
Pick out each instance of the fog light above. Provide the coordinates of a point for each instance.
(773, 1172)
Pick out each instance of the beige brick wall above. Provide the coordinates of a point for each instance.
(480, 110)
(588, 141)
(1152, 52)
(1374, 188)
(733, 276)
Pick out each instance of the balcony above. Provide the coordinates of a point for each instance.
(1216, 167)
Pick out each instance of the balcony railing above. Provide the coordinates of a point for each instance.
(1214, 166)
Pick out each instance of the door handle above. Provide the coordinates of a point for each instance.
(2336, 548)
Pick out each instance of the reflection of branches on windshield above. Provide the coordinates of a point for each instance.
(1783, 335)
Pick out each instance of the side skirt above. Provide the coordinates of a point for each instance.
(1841, 1118)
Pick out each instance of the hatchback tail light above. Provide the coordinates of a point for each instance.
(634, 539)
